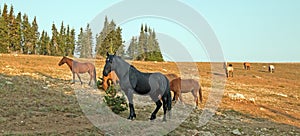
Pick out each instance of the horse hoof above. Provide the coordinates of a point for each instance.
(131, 117)
(152, 117)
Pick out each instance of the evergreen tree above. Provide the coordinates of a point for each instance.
(55, 51)
(131, 51)
(17, 33)
(70, 41)
(43, 44)
(85, 41)
(109, 39)
(34, 36)
(146, 48)
(26, 36)
(62, 40)
(79, 42)
(141, 45)
(4, 37)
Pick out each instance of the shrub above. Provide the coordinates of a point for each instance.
(116, 103)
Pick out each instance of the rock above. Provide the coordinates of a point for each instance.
(71, 115)
(255, 76)
(8, 82)
(236, 96)
(236, 132)
(205, 133)
(252, 100)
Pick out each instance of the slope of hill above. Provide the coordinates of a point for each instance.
(36, 97)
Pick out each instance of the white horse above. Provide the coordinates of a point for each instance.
(229, 71)
(271, 68)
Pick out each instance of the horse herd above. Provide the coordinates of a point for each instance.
(229, 68)
(132, 81)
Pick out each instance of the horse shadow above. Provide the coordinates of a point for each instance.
(263, 71)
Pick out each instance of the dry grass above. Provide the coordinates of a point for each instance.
(36, 97)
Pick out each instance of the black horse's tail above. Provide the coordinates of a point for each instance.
(168, 95)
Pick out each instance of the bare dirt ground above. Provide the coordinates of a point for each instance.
(36, 98)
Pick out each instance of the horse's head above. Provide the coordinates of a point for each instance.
(108, 64)
(62, 61)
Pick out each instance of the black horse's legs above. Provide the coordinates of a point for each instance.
(132, 113)
(164, 98)
(129, 95)
(79, 78)
(158, 105)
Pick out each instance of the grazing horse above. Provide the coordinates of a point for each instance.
(133, 81)
(179, 86)
(229, 71)
(246, 65)
(110, 77)
(78, 68)
(271, 68)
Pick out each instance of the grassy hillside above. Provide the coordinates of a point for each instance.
(36, 97)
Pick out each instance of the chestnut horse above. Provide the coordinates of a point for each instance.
(78, 68)
(179, 86)
(246, 65)
(171, 76)
(110, 77)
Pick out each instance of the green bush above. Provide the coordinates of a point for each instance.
(116, 103)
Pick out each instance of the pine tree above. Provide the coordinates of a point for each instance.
(141, 45)
(26, 36)
(132, 49)
(79, 42)
(62, 40)
(109, 39)
(34, 36)
(4, 37)
(85, 40)
(147, 46)
(70, 42)
(17, 33)
(55, 51)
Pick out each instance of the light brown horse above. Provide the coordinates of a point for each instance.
(171, 76)
(79, 68)
(107, 80)
(179, 86)
(246, 65)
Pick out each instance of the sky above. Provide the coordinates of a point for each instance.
(193, 30)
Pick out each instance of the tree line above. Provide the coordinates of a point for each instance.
(20, 35)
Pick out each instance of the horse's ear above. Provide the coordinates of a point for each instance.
(107, 54)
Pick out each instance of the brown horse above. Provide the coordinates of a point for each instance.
(171, 76)
(246, 65)
(78, 68)
(110, 77)
(179, 86)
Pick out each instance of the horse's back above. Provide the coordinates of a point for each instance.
(189, 84)
(185, 85)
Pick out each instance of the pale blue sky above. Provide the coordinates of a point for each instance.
(256, 30)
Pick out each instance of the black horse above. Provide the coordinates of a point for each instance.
(132, 81)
